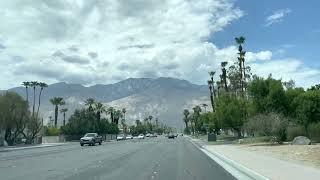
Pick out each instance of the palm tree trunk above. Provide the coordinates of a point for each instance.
(212, 102)
(34, 100)
(39, 102)
(27, 95)
(64, 118)
(244, 75)
(56, 116)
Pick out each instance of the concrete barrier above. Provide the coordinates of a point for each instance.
(53, 139)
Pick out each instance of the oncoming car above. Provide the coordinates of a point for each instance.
(91, 139)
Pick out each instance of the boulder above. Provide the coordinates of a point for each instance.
(301, 140)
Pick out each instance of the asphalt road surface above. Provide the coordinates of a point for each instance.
(148, 159)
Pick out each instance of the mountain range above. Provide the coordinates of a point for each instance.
(164, 98)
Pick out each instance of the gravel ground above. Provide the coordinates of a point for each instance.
(306, 154)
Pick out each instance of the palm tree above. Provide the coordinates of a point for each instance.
(56, 101)
(27, 84)
(124, 113)
(42, 86)
(240, 41)
(117, 116)
(99, 108)
(224, 75)
(34, 84)
(150, 118)
(186, 118)
(64, 110)
(196, 115)
(110, 111)
(90, 102)
(205, 107)
(212, 73)
(210, 84)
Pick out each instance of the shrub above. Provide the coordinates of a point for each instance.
(271, 124)
(314, 131)
(52, 131)
(294, 131)
(279, 127)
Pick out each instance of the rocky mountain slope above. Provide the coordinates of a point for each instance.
(164, 98)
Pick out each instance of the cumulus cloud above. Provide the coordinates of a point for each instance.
(67, 40)
(93, 55)
(288, 69)
(277, 16)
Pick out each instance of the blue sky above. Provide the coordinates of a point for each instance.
(101, 42)
(296, 35)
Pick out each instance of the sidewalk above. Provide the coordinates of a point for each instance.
(265, 165)
(14, 148)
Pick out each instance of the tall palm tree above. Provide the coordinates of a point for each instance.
(42, 86)
(99, 108)
(205, 107)
(34, 84)
(56, 101)
(27, 84)
(212, 73)
(240, 41)
(224, 75)
(150, 118)
(64, 110)
(124, 113)
(110, 111)
(90, 102)
(117, 116)
(210, 84)
(186, 118)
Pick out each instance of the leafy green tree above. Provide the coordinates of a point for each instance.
(308, 108)
(14, 116)
(268, 95)
(56, 101)
(231, 111)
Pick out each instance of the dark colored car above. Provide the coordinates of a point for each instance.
(171, 136)
(91, 139)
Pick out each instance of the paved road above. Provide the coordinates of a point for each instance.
(148, 159)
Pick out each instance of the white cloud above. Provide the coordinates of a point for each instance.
(103, 41)
(262, 55)
(277, 16)
(288, 69)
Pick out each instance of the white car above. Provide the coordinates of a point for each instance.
(141, 136)
(129, 137)
(121, 137)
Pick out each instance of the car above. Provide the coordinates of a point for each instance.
(141, 136)
(171, 136)
(91, 139)
(154, 135)
(176, 135)
(121, 137)
(129, 137)
(148, 135)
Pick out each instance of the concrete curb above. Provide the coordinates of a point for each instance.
(237, 170)
(30, 147)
